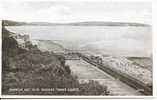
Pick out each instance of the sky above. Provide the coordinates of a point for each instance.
(70, 11)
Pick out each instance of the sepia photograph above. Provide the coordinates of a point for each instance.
(82, 48)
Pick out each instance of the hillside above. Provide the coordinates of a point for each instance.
(34, 72)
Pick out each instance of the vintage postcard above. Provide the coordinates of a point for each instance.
(82, 48)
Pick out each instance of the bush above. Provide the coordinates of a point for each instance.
(93, 88)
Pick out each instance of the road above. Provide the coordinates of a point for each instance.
(85, 71)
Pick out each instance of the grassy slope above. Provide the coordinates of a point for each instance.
(35, 69)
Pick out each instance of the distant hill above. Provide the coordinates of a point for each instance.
(99, 23)
(88, 23)
(12, 23)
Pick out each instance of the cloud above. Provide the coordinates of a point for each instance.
(78, 11)
(57, 10)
